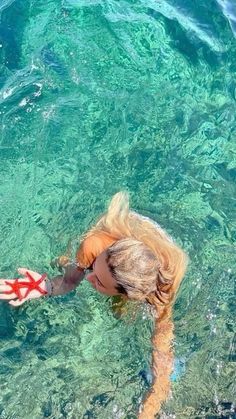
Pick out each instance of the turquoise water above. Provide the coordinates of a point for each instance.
(98, 96)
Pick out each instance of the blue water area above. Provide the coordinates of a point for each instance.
(98, 96)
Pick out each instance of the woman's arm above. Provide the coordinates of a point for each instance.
(162, 364)
(62, 284)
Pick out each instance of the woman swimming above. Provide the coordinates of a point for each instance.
(129, 256)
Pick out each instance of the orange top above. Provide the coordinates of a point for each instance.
(92, 246)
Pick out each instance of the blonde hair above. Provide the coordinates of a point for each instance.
(144, 260)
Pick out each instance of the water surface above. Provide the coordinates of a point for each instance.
(98, 96)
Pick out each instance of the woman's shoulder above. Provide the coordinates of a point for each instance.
(98, 237)
(92, 246)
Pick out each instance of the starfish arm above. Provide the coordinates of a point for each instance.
(32, 285)
(15, 288)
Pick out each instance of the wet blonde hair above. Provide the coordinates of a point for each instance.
(144, 260)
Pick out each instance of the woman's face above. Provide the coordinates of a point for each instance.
(101, 277)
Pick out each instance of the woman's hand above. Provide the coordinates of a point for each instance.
(32, 285)
(60, 262)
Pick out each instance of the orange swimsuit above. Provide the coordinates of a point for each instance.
(92, 247)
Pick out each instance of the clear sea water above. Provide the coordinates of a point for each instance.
(97, 96)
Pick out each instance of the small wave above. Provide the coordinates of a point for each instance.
(187, 22)
(22, 84)
(116, 12)
(4, 4)
(229, 11)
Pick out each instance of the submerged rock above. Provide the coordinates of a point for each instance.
(50, 59)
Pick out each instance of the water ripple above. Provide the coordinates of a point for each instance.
(188, 22)
(228, 8)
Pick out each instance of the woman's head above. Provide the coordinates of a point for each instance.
(134, 267)
(144, 263)
(130, 268)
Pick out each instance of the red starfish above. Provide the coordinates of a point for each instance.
(32, 285)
